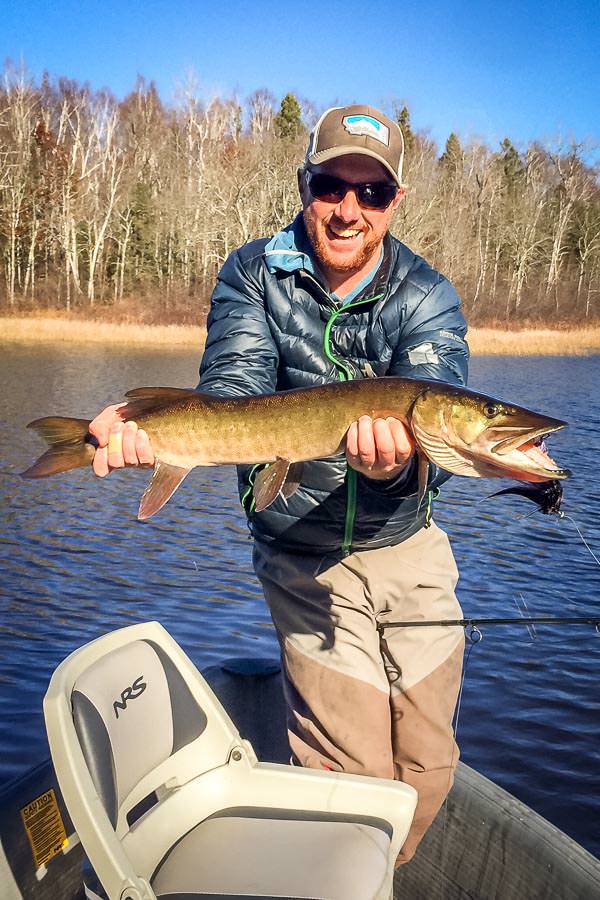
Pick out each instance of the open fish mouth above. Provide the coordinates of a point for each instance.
(535, 449)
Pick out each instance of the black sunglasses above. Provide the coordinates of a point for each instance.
(370, 194)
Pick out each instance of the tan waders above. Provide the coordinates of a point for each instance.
(361, 699)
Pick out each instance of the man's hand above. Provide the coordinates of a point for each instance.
(379, 449)
(119, 443)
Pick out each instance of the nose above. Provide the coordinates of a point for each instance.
(348, 209)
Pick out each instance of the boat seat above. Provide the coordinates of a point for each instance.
(170, 802)
(318, 856)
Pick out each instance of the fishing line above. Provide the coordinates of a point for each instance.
(563, 515)
(530, 628)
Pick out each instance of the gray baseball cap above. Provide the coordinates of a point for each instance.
(358, 129)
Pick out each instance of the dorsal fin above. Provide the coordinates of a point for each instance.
(159, 393)
(150, 399)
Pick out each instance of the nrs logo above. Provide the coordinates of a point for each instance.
(130, 693)
(367, 125)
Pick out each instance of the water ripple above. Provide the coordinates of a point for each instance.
(76, 563)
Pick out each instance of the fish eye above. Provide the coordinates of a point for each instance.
(491, 410)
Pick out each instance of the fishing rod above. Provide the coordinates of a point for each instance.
(474, 634)
(520, 620)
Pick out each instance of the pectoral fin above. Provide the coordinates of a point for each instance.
(163, 484)
(423, 478)
(281, 477)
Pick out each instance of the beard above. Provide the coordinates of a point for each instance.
(316, 233)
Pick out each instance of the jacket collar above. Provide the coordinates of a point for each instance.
(289, 250)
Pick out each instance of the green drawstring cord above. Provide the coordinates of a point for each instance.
(431, 496)
(249, 507)
(345, 374)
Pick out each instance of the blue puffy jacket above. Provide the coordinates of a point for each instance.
(274, 326)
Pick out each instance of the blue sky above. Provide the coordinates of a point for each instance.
(528, 70)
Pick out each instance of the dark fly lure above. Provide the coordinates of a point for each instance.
(546, 494)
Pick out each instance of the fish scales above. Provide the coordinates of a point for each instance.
(295, 425)
(463, 432)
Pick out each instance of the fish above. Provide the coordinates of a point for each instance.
(460, 430)
(547, 495)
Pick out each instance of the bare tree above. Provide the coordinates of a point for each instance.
(103, 202)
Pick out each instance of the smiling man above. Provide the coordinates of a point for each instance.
(335, 297)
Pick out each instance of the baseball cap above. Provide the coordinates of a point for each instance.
(357, 129)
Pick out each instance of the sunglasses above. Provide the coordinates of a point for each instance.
(370, 194)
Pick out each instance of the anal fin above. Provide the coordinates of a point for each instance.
(163, 484)
(292, 479)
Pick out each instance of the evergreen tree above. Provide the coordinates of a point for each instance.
(513, 170)
(403, 120)
(288, 121)
(451, 159)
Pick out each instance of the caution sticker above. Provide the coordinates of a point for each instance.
(45, 828)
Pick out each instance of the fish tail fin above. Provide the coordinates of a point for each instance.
(70, 446)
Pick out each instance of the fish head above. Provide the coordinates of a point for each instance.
(472, 434)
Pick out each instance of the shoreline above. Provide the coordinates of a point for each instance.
(482, 341)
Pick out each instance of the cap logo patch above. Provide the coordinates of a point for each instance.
(367, 125)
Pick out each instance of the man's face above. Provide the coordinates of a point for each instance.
(345, 236)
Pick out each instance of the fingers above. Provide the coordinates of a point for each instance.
(100, 426)
(116, 459)
(385, 446)
(119, 443)
(129, 443)
(403, 440)
(380, 448)
(100, 462)
(367, 451)
(145, 453)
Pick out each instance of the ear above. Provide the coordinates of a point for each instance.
(398, 198)
(302, 188)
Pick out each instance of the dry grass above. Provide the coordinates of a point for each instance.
(81, 332)
(483, 341)
(534, 342)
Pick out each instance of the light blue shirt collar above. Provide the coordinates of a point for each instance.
(361, 284)
(289, 251)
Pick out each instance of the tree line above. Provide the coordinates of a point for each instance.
(131, 206)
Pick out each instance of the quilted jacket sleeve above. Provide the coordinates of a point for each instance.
(430, 345)
(431, 342)
(240, 356)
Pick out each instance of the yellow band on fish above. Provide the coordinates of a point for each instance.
(115, 443)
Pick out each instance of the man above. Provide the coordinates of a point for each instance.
(335, 297)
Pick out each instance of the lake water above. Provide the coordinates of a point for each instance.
(75, 563)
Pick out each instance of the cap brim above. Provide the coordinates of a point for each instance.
(322, 156)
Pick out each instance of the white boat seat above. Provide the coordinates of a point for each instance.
(170, 802)
(244, 850)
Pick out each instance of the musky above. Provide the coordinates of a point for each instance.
(528, 70)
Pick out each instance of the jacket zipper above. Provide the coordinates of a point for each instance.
(345, 374)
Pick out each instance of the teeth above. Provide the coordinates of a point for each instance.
(345, 232)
